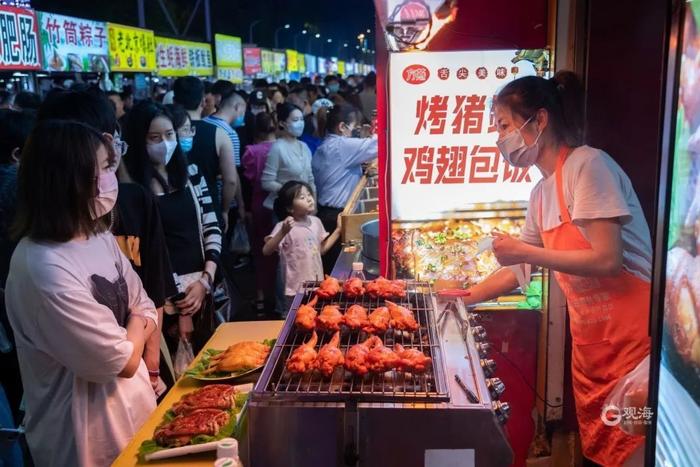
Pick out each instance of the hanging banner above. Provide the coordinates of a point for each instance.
(19, 39)
(131, 49)
(443, 139)
(280, 62)
(292, 63)
(175, 57)
(268, 61)
(252, 61)
(228, 51)
(73, 44)
(301, 63)
(311, 63)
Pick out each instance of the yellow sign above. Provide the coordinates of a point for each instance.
(131, 49)
(175, 57)
(301, 63)
(292, 63)
(341, 67)
(268, 61)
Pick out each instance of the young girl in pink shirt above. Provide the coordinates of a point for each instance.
(299, 238)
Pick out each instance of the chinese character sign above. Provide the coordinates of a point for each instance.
(19, 39)
(311, 63)
(228, 51)
(301, 63)
(175, 57)
(280, 62)
(443, 139)
(235, 75)
(252, 61)
(268, 61)
(131, 49)
(73, 44)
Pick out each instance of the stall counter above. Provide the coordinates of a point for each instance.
(224, 336)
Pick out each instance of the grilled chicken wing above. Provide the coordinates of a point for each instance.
(356, 357)
(330, 356)
(304, 357)
(239, 357)
(412, 360)
(356, 317)
(328, 288)
(330, 318)
(381, 359)
(384, 288)
(353, 288)
(306, 316)
(402, 318)
(378, 321)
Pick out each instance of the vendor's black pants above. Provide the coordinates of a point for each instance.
(329, 219)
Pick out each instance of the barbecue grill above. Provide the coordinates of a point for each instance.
(388, 419)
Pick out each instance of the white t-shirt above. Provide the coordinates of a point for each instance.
(65, 302)
(595, 187)
(286, 161)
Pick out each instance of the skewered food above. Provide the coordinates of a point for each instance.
(330, 356)
(180, 430)
(402, 318)
(356, 317)
(384, 288)
(239, 357)
(330, 318)
(304, 357)
(306, 316)
(412, 360)
(328, 288)
(378, 321)
(353, 287)
(214, 396)
(356, 357)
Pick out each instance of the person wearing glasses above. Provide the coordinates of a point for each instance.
(136, 222)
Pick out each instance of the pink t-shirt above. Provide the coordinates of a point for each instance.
(300, 253)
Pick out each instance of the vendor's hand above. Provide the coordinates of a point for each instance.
(287, 225)
(194, 296)
(509, 250)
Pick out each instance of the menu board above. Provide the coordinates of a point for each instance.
(442, 147)
(131, 49)
(292, 63)
(268, 61)
(311, 63)
(228, 51)
(73, 44)
(678, 437)
(175, 57)
(19, 39)
(235, 75)
(252, 61)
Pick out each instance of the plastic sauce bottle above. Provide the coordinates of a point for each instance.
(358, 271)
(227, 453)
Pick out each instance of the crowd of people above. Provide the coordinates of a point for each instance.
(117, 225)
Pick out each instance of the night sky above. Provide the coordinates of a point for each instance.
(342, 21)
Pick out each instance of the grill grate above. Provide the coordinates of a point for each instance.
(393, 386)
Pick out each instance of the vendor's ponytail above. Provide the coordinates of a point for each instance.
(562, 96)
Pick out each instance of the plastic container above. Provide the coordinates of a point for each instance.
(227, 453)
(358, 271)
(228, 462)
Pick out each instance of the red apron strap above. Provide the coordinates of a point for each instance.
(563, 209)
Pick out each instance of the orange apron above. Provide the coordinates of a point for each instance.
(609, 319)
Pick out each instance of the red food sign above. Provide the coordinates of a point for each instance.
(19, 39)
(416, 74)
(252, 60)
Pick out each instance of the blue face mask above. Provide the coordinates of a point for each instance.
(239, 122)
(186, 143)
(333, 88)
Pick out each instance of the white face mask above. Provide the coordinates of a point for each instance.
(514, 149)
(296, 128)
(161, 153)
(107, 191)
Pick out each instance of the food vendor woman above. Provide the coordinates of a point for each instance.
(585, 223)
